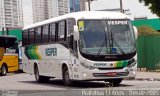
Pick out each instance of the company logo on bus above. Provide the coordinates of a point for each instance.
(8, 50)
(117, 22)
(51, 51)
(100, 64)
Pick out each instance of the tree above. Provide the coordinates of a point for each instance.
(154, 5)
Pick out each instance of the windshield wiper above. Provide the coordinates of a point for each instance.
(100, 49)
(103, 43)
(115, 42)
(112, 40)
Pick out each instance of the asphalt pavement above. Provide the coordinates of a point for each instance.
(149, 76)
(22, 84)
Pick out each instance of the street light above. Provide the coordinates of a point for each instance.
(121, 6)
(89, 3)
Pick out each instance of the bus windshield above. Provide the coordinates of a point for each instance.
(8, 44)
(104, 37)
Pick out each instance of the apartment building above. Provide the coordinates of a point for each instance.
(45, 9)
(77, 5)
(82, 5)
(11, 14)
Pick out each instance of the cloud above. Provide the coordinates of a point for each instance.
(137, 9)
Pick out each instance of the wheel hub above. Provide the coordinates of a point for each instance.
(4, 70)
(67, 76)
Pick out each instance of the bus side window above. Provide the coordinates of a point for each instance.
(61, 31)
(52, 33)
(65, 30)
(11, 43)
(45, 33)
(25, 38)
(38, 35)
(56, 31)
(2, 42)
(70, 23)
(31, 37)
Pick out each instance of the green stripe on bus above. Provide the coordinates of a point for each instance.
(121, 64)
(33, 52)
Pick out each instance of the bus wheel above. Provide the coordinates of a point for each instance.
(3, 70)
(115, 82)
(40, 79)
(65, 76)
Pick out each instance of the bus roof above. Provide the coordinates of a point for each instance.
(82, 15)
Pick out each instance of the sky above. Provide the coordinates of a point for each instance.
(136, 9)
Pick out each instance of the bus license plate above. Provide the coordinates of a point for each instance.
(111, 74)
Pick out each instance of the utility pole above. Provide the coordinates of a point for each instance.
(89, 4)
(121, 6)
(2, 30)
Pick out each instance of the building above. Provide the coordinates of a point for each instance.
(82, 5)
(39, 10)
(45, 9)
(11, 14)
(77, 5)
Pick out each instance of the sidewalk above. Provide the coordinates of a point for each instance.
(149, 76)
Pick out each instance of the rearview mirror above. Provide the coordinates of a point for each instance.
(76, 33)
(135, 32)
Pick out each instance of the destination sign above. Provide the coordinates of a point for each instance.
(117, 22)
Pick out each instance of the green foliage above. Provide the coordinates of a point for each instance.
(147, 30)
(154, 5)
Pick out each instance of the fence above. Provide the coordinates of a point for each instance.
(148, 51)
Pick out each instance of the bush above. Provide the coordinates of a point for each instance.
(147, 30)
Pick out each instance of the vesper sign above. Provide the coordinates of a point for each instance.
(117, 22)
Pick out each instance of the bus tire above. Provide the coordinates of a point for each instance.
(3, 70)
(65, 76)
(115, 82)
(40, 79)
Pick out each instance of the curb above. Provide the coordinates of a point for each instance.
(147, 79)
(143, 79)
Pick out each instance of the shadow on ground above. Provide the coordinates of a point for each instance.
(76, 84)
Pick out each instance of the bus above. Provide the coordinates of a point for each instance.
(85, 46)
(8, 54)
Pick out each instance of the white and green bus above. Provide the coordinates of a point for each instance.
(88, 46)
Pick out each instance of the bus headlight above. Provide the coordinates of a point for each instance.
(131, 63)
(87, 66)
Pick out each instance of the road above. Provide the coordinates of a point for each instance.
(27, 85)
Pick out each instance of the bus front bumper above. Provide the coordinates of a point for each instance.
(105, 74)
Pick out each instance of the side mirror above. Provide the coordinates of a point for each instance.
(135, 32)
(76, 33)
